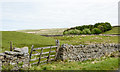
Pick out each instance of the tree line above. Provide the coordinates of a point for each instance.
(97, 28)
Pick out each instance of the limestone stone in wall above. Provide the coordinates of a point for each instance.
(84, 52)
(15, 57)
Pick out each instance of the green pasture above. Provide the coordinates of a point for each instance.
(115, 30)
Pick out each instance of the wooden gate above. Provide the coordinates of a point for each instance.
(43, 55)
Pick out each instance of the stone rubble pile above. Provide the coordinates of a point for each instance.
(85, 52)
(19, 56)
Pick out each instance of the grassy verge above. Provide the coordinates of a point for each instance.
(97, 64)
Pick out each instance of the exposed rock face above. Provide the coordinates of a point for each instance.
(85, 52)
(16, 57)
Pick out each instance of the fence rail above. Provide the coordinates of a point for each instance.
(42, 62)
(44, 47)
(42, 57)
(48, 56)
(43, 53)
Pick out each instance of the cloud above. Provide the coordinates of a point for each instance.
(57, 13)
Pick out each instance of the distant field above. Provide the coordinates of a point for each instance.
(20, 39)
(57, 31)
(115, 30)
(25, 39)
(86, 39)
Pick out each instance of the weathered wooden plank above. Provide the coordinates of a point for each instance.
(43, 62)
(40, 56)
(35, 54)
(45, 47)
(48, 52)
(42, 53)
(48, 55)
(35, 51)
(31, 53)
(34, 59)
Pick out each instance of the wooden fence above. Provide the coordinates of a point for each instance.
(47, 56)
(37, 54)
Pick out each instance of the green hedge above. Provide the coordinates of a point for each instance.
(86, 31)
(89, 29)
(74, 31)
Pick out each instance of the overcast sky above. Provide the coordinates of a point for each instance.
(42, 14)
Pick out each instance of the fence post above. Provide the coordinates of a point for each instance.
(57, 42)
(58, 45)
(31, 52)
(40, 56)
(48, 55)
(10, 45)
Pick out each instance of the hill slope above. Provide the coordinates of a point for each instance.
(54, 31)
(24, 39)
(114, 30)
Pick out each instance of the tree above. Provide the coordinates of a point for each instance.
(86, 31)
(109, 27)
(96, 31)
(101, 28)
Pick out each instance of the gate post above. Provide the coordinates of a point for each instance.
(58, 45)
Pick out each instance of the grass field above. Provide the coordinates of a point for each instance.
(96, 64)
(53, 31)
(115, 30)
(24, 39)
(20, 39)
(86, 39)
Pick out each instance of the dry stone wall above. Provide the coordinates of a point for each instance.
(85, 52)
(18, 58)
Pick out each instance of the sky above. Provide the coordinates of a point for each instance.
(43, 14)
